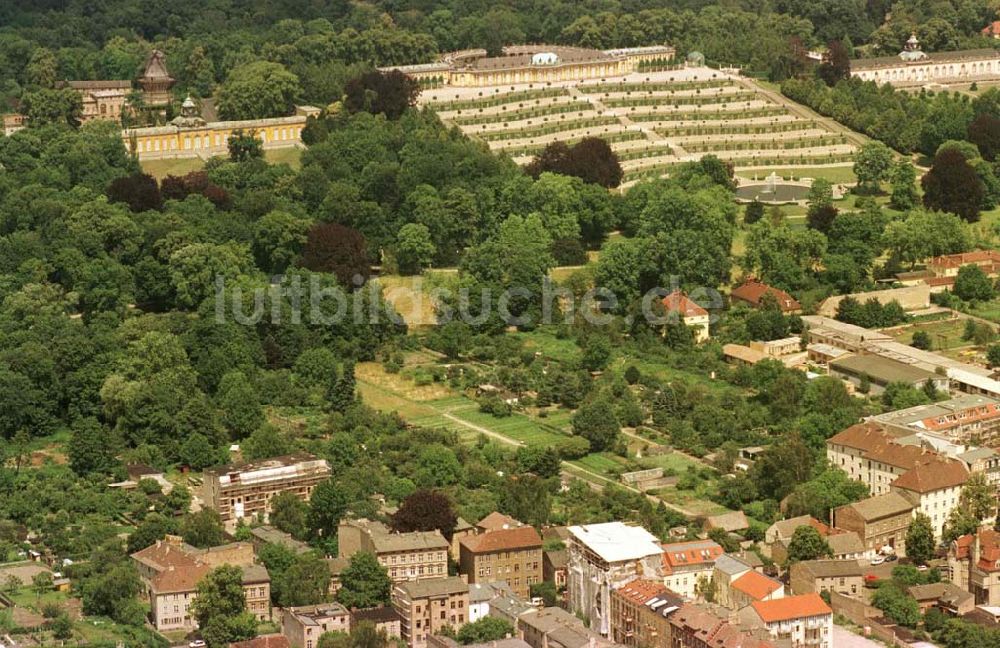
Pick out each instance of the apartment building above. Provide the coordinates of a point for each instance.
(245, 490)
(803, 620)
(754, 586)
(880, 521)
(967, 418)
(603, 557)
(726, 570)
(974, 564)
(554, 627)
(171, 570)
(816, 576)
(304, 625)
(698, 626)
(385, 619)
(427, 606)
(934, 486)
(640, 612)
(417, 555)
(688, 565)
(512, 555)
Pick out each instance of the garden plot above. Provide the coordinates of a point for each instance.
(653, 121)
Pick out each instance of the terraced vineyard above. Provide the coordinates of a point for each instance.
(652, 120)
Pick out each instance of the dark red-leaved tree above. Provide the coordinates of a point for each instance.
(984, 132)
(173, 188)
(590, 159)
(953, 186)
(426, 510)
(139, 191)
(389, 93)
(195, 182)
(837, 64)
(341, 250)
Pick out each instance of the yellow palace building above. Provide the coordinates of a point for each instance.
(534, 64)
(191, 136)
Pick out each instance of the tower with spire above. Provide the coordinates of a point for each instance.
(156, 81)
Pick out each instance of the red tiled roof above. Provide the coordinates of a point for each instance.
(791, 607)
(678, 302)
(969, 415)
(933, 473)
(756, 585)
(524, 537)
(992, 28)
(696, 552)
(497, 520)
(989, 549)
(940, 281)
(966, 258)
(753, 291)
(879, 445)
(181, 579)
(640, 590)
(712, 630)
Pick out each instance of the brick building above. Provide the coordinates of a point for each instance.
(417, 555)
(815, 576)
(804, 620)
(687, 565)
(512, 555)
(640, 613)
(171, 570)
(695, 626)
(427, 606)
(304, 625)
(879, 521)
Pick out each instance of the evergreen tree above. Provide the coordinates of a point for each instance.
(342, 392)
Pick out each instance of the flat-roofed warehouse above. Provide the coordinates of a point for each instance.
(881, 371)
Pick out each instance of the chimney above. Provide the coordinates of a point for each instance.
(976, 549)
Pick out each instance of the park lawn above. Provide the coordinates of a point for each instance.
(835, 174)
(400, 385)
(945, 334)
(562, 273)
(666, 374)
(411, 297)
(670, 461)
(561, 418)
(297, 420)
(516, 426)
(27, 598)
(550, 346)
(291, 156)
(160, 169)
(386, 401)
(604, 463)
(695, 502)
(987, 310)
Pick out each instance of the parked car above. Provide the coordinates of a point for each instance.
(197, 643)
(877, 560)
(891, 558)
